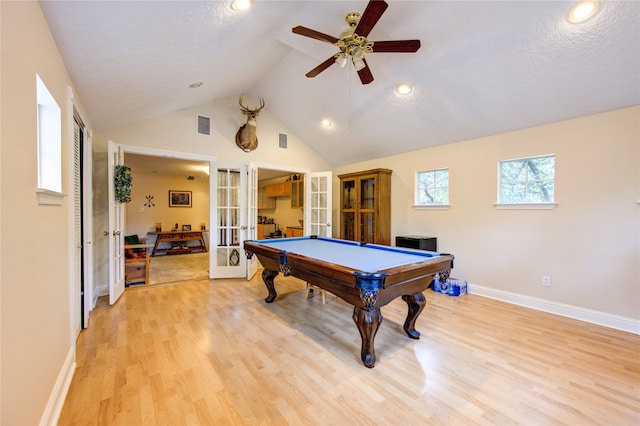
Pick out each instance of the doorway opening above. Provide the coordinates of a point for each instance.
(170, 213)
(280, 206)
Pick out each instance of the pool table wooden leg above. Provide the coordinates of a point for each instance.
(416, 304)
(267, 276)
(368, 322)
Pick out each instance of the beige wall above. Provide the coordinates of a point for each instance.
(36, 334)
(141, 219)
(176, 132)
(589, 245)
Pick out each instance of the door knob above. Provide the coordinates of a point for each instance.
(116, 233)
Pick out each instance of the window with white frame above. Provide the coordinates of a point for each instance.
(528, 180)
(49, 139)
(432, 187)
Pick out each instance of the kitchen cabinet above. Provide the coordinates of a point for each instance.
(282, 189)
(265, 230)
(297, 194)
(294, 231)
(365, 206)
(264, 201)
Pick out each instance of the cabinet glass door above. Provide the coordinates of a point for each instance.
(367, 227)
(367, 194)
(348, 224)
(349, 194)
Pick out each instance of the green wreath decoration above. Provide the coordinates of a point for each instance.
(122, 178)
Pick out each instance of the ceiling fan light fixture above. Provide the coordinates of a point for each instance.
(583, 10)
(359, 64)
(341, 59)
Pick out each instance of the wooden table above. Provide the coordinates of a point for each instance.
(178, 241)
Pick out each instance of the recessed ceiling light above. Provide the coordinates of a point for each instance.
(326, 123)
(241, 4)
(403, 88)
(583, 10)
(195, 85)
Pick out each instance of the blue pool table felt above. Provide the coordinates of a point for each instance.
(370, 258)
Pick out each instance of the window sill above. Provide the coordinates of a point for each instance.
(49, 197)
(431, 206)
(526, 206)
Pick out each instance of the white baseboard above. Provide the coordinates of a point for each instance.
(595, 317)
(59, 393)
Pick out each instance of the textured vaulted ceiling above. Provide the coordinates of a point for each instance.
(485, 67)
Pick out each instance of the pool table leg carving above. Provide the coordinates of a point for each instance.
(267, 276)
(368, 322)
(416, 304)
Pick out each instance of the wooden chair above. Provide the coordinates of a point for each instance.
(313, 288)
(136, 260)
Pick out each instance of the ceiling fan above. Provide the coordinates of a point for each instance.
(353, 41)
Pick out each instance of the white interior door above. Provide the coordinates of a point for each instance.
(229, 228)
(252, 217)
(116, 225)
(317, 209)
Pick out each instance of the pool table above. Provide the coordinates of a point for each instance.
(364, 275)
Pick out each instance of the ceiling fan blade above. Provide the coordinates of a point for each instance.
(308, 32)
(370, 16)
(323, 66)
(365, 74)
(408, 46)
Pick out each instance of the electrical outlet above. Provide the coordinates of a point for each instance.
(546, 281)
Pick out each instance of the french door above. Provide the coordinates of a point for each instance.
(229, 228)
(317, 215)
(116, 226)
(252, 217)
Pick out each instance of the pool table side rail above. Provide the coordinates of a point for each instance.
(341, 281)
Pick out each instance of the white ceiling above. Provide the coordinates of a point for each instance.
(485, 67)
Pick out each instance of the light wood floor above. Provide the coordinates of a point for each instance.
(213, 352)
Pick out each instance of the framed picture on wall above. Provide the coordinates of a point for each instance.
(179, 198)
(186, 227)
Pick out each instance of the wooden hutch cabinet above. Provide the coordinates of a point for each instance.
(365, 206)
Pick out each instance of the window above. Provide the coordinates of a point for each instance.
(432, 188)
(49, 143)
(527, 180)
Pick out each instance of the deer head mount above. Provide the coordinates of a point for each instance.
(246, 138)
